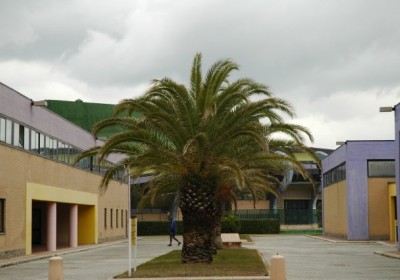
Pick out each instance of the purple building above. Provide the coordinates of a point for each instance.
(359, 192)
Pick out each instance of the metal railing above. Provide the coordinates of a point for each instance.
(285, 216)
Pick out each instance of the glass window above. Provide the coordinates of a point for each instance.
(105, 217)
(8, 132)
(111, 218)
(54, 148)
(17, 138)
(34, 141)
(2, 129)
(61, 151)
(2, 215)
(67, 158)
(26, 138)
(335, 175)
(122, 218)
(42, 144)
(381, 168)
(116, 218)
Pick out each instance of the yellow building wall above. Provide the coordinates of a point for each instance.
(378, 208)
(295, 191)
(392, 209)
(249, 204)
(335, 210)
(51, 181)
(87, 229)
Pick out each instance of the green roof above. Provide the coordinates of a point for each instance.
(84, 115)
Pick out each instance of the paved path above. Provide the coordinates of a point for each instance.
(99, 263)
(309, 258)
(306, 258)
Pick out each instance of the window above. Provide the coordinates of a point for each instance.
(34, 141)
(335, 175)
(105, 217)
(8, 132)
(111, 218)
(122, 218)
(2, 130)
(381, 168)
(297, 204)
(24, 137)
(18, 139)
(41, 144)
(2, 209)
(116, 218)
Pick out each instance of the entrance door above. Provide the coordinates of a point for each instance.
(297, 212)
(36, 226)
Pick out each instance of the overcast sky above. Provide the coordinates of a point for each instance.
(336, 61)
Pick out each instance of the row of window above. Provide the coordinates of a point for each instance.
(376, 169)
(118, 213)
(24, 137)
(335, 175)
(313, 171)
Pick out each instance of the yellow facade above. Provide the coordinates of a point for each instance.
(335, 210)
(378, 208)
(392, 215)
(29, 180)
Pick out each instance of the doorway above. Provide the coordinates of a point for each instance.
(36, 226)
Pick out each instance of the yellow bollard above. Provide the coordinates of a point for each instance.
(56, 268)
(278, 269)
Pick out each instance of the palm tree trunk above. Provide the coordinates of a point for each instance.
(217, 241)
(197, 239)
(198, 206)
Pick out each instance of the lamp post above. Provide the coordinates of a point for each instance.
(129, 225)
(396, 110)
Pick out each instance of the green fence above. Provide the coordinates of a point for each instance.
(285, 217)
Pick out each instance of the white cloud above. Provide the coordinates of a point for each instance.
(335, 61)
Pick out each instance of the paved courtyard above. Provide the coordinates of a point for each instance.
(306, 258)
(309, 258)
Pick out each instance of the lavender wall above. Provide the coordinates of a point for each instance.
(18, 107)
(356, 155)
(397, 150)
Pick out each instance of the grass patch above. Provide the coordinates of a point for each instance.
(228, 262)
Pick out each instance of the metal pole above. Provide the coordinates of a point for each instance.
(129, 225)
(135, 246)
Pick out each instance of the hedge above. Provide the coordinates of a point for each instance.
(261, 226)
(157, 228)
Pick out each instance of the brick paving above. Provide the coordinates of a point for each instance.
(310, 258)
(306, 258)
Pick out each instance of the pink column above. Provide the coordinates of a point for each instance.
(51, 226)
(73, 225)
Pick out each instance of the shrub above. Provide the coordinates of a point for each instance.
(156, 228)
(230, 223)
(260, 226)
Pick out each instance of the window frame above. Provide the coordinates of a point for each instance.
(2, 215)
(381, 161)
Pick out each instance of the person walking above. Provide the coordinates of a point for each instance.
(172, 231)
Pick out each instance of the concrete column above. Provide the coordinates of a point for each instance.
(51, 226)
(278, 269)
(73, 225)
(56, 268)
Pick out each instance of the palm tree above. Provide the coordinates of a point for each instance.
(203, 141)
